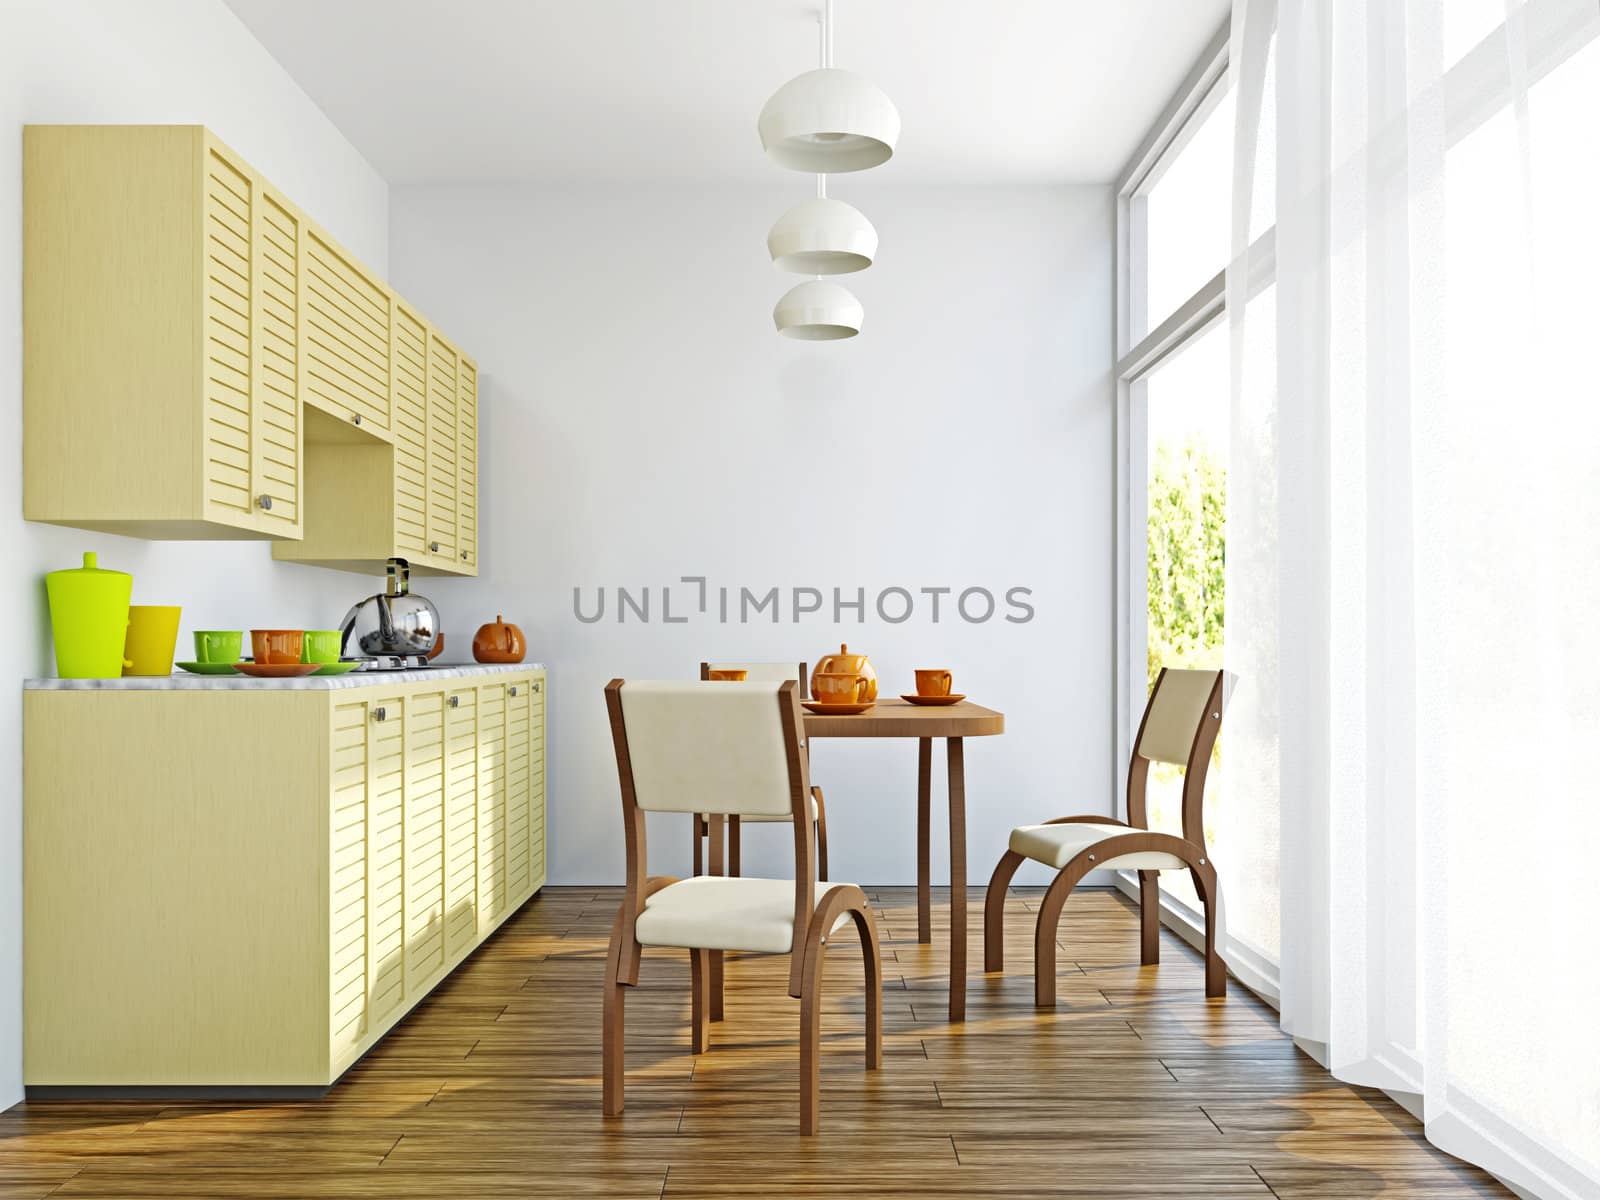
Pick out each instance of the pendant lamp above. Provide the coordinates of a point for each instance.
(828, 120)
(822, 237)
(818, 312)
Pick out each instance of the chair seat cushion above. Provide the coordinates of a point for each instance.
(1057, 845)
(753, 818)
(717, 912)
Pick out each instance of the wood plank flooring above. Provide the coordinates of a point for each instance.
(1135, 1086)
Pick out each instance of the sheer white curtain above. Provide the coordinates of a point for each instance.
(1414, 552)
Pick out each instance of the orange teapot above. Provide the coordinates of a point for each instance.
(845, 662)
(499, 642)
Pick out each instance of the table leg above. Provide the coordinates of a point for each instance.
(958, 880)
(714, 866)
(924, 819)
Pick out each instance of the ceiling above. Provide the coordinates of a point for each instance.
(990, 91)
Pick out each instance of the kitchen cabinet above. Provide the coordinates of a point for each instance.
(283, 874)
(202, 360)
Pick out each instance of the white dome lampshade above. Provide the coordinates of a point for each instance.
(823, 237)
(818, 312)
(829, 121)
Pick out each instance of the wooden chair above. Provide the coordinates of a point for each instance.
(709, 829)
(1180, 725)
(724, 748)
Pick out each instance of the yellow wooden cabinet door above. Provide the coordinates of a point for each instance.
(229, 219)
(467, 465)
(386, 743)
(409, 361)
(347, 932)
(491, 804)
(442, 449)
(520, 816)
(276, 433)
(424, 837)
(347, 314)
(461, 820)
(538, 861)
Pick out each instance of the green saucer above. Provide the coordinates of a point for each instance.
(338, 668)
(207, 668)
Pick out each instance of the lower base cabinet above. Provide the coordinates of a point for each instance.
(246, 889)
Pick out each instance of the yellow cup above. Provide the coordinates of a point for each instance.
(152, 638)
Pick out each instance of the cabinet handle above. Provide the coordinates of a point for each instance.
(380, 713)
(536, 686)
(356, 418)
(434, 546)
(513, 689)
(265, 501)
(455, 701)
(463, 556)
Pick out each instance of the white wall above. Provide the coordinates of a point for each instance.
(157, 61)
(642, 422)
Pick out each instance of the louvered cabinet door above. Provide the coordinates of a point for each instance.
(467, 466)
(276, 434)
(460, 820)
(443, 462)
(424, 838)
(491, 804)
(348, 923)
(409, 364)
(536, 781)
(229, 217)
(347, 314)
(519, 790)
(386, 741)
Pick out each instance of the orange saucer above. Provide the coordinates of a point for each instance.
(277, 670)
(824, 709)
(952, 698)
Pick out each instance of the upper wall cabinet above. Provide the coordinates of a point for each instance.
(202, 361)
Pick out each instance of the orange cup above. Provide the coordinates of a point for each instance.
(277, 646)
(840, 687)
(933, 683)
(727, 674)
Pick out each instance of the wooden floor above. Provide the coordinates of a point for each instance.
(1135, 1086)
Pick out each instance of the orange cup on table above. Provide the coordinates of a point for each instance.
(841, 687)
(727, 674)
(277, 646)
(931, 682)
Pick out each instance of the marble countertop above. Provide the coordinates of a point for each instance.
(182, 681)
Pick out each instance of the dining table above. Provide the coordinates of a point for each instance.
(897, 718)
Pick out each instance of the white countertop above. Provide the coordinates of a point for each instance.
(182, 681)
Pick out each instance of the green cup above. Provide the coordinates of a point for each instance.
(217, 645)
(321, 646)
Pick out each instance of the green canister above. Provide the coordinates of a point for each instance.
(89, 620)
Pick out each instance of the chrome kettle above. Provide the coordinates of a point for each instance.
(394, 622)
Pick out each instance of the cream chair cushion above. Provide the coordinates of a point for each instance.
(707, 747)
(715, 912)
(1057, 845)
(1174, 715)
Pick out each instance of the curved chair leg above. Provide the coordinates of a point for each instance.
(1149, 918)
(1205, 884)
(1044, 932)
(994, 911)
(699, 977)
(834, 904)
(611, 1034)
(822, 835)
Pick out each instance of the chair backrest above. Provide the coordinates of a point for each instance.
(1181, 721)
(698, 747)
(760, 672)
